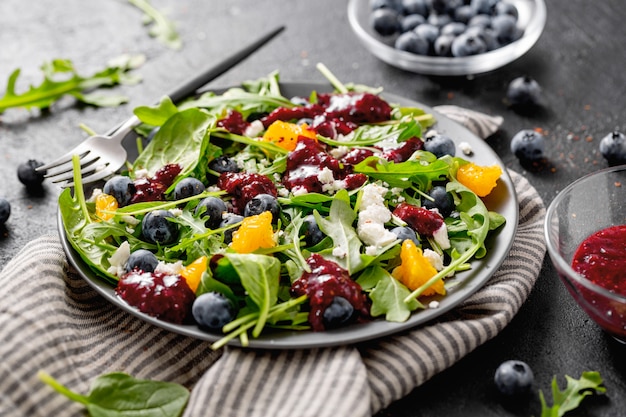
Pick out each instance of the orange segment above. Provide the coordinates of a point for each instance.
(105, 202)
(193, 272)
(254, 233)
(286, 134)
(480, 179)
(415, 270)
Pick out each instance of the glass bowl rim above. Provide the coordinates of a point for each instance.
(453, 66)
(558, 261)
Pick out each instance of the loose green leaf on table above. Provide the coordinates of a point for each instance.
(571, 397)
(162, 28)
(118, 394)
(61, 79)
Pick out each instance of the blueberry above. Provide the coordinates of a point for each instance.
(142, 260)
(428, 31)
(481, 20)
(505, 28)
(483, 6)
(467, 44)
(486, 34)
(411, 21)
(415, 7)
(404, 233)
(385, 21)
(312, 233)
(613, 148)
(523, 92)
(412, 42)
(212, 311)
(157, 228)
(223, 164)
(514, 378)
(188, 187)
(261, 203)
(338, 313)
(212, 209)
(439, 20)
(442, 200)
(464, 14)
(528, 145)
(228, 220)
(453, 28)
(28, 175)
(443, 45)
(506, 8)
(439, 145)
(121, 188)
(5, 210)
(391, 4)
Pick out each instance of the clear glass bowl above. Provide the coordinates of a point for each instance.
(592, 203)
(532, 19)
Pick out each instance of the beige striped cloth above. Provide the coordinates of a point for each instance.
(52, 320)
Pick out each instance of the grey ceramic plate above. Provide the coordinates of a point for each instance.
(502, 200)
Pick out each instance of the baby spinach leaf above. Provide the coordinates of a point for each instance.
(571, 397)
(156, 115)
(61, 78)
(120, 395)
(180, 140)
(260, 275)
(387, 295)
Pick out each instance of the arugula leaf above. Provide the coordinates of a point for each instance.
(387, 295)
(402, 174)
(118, 394)
(61, 78)
(338, 226)
(571, 397)
(162, 28)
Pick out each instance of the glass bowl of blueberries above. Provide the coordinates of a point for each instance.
(448, 37)
(585, 232)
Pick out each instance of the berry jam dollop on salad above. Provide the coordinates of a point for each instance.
(249, 212)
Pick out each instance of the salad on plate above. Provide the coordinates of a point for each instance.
(248, 212)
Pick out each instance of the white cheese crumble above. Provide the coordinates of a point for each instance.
(96, 192)
(373, 214)
(169, 268)
(254, 129)
(142, 173)
(434, 259)
(339, 252)
(466, 148)
(433, 304)
(441, 237)
(119, 259)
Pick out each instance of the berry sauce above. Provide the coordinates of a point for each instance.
(325, 281)
(601, 258)
(153, 189)
(243, 187)
(404, 152)
(166, 297)
(425, 222)
(233, 122)
(308, 159)
(336, 113)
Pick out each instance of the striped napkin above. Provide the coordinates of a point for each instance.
(51, 320)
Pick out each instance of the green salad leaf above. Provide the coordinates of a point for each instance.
(61, 78)
(570, 398)
(120, 395)
(161, 28)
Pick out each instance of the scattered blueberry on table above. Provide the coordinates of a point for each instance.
(514, 378)
(29, 176)
(528, 145)
(613, 148)
(523, 91)
(447, 28)
(5, 210)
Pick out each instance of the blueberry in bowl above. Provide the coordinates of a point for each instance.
(493, 32)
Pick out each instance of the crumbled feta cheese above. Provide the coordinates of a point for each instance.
(339, 252)
(326, 176)
(441, 237)
(169, 268)
(95, 193)
(434, 259)
(141, 173)
(335, 186)
(254, 129)
(299, 190)
(373, 214)
(466, 148)
(130, 220)
(282, 192)
(433, 304)
(339, 151)
(118, 260)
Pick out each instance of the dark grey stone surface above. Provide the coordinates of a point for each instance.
(579, 62)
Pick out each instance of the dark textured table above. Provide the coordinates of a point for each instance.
(579, 62)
